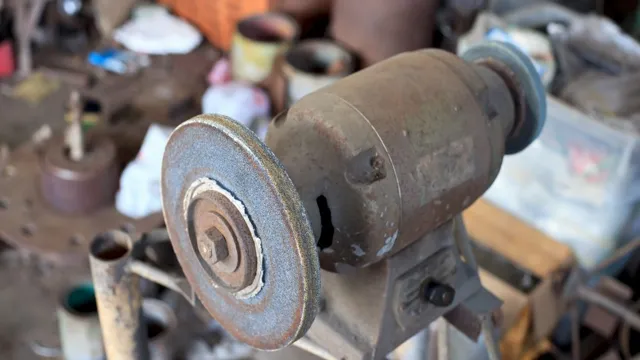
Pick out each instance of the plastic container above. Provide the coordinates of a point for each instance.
(578, 183)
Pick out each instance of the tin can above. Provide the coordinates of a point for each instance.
(314, 64)
(258, 40)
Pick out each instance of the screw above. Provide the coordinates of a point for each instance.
(440, 295)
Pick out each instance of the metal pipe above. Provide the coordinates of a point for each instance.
(80, 335)
(118, 297)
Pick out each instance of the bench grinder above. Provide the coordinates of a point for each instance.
(344, 226)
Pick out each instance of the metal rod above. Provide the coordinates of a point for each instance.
(442, 339)
(118, 297)
(74, 135)
(612, 306)
(489, 340)
(175, 283)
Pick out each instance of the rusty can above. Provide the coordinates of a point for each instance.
(314, 64)
(81, 186)
(379, 29)
(258, 40)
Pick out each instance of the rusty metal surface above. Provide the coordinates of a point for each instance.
(284, 308)
(383, 165)
(27, 221)
(118, 297)
(379, 29)
(77, 187)
(313, 64)
(259, 39)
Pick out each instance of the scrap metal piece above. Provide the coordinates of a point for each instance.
(83, 185)
(118, 297)
(219, 149)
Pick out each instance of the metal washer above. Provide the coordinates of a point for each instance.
(218, 148)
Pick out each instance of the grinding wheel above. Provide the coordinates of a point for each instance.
(240, 232)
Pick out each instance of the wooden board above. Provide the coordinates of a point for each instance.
(516, 240)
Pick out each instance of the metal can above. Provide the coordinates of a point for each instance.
(258, 40)
(314, 64)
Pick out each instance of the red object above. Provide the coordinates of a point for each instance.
(7, 64)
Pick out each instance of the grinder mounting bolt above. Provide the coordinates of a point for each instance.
(440, 295)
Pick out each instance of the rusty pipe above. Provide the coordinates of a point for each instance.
(118, 297)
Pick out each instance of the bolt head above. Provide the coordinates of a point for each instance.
(440, 295)
(213, 246)
(219, 250)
